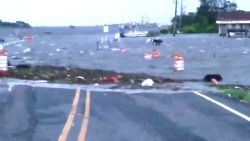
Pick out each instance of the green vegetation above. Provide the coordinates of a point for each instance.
(204, 20)
(241, 93)
(17, 24)
(166, 31)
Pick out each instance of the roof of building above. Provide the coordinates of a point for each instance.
(234, 16)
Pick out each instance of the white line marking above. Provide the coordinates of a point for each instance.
(223, 106)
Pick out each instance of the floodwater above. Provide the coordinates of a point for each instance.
(203, 53)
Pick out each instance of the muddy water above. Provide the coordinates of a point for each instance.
(203, 53)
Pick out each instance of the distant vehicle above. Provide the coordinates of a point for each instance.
(237, 33)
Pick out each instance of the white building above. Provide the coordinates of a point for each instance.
(234, 23)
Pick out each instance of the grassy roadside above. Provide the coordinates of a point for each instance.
(241, 93)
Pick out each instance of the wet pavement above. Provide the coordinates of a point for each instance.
(40, 114)
(203, 53)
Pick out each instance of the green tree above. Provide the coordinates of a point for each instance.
(205, 17)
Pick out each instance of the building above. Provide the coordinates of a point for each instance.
(234, 23)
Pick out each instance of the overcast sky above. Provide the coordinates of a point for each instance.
(94, 12)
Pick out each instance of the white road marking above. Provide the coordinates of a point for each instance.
(223, 106)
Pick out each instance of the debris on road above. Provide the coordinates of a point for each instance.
(212, 77)
(147, 83)
(147, 56)
(113, 78)
(80, 77)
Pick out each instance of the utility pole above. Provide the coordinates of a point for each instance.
(181, 12)
(175, 18)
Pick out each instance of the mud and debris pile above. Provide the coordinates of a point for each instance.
(73, 75)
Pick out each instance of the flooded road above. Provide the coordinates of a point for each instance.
(40, 111)
(54, 114)
(203, 53)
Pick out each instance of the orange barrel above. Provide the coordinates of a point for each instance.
(155, 53)
(178, 62)
(3, 61)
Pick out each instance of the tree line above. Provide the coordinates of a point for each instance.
(204, 19)
(17, 24)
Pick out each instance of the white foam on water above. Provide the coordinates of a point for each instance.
(27, 50)
(92, 87)
(202, 51)
(19, 45)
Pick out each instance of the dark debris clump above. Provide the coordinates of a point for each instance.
(78, 76)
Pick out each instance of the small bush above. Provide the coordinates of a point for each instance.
(165, 31)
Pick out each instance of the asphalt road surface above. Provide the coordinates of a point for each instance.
(49, 114)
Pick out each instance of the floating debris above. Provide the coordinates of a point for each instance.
(58, 50)
(27, 50)
(81, 52)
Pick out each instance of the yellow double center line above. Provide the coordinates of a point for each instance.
(82, 135)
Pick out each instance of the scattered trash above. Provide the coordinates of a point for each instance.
(123, 50)
(15, 57)
(80, 77)
(19, 45)
(245, 52)
(105, 47)
(112, 78)
(147, 56)
(115, 49)
(27, 50)
(23, 66)
(214, 81)
(212, 77)
(96, 84)
(28, 38)
(117, 37)
(132, 81)
(147, 83)
(58, 50)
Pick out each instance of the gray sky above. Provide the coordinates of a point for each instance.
(94, 12)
